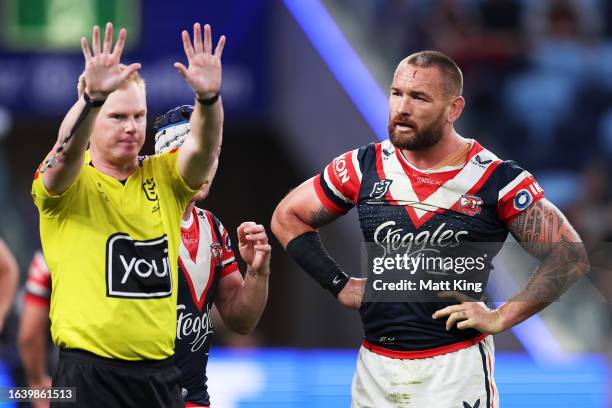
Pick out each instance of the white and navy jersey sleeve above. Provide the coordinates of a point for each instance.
(338, 184)
(518, 190)
(228, 259)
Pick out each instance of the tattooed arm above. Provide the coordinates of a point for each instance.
(301, 212)
(544, 232)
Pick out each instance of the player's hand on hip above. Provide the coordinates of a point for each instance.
(103, 73)
(352, 294)
(204, 72)
(254, 247)
(469, 314)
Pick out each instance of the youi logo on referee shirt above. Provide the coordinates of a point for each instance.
(137, 269)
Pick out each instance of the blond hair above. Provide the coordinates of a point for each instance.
(133, 77)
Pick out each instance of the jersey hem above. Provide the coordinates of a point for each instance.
(419, 354)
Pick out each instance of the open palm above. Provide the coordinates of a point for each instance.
(204, 72)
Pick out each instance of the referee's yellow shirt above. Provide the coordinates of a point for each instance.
(112, 250)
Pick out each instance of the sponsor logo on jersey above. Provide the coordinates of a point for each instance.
(476, 404)
(340, 169)
(150, 189)
(392, 239)
(380, 188)
(479, 162)
(470, 204)
(193, 328)
(427, 180)
(216, 252)
(137, 269)
(522, 199)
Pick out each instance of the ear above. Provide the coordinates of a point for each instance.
(456, 108)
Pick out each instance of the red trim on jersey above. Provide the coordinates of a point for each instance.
(354, 184)
(421, 189)
(491, 381)
(215, 238)
(505, 206)
(33, 299)
(350, 187)
(230, 268)
(409, 210)
(39, 274)
(428, 353)
(194, 405)
(325, 201)
(37, 173)
(191, 236)
(484, 177)
(200, 302)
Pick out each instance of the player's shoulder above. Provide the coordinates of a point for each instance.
(508, 173)
(207, 216)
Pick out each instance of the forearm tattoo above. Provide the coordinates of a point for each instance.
(545, 233)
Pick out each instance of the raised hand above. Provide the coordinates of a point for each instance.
(204, 72)
(254, 247)
(103, 73)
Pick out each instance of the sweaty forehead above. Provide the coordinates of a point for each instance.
(413, 77)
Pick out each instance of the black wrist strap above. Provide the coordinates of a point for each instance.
(210, 101)
(89, 101)
(308, 251)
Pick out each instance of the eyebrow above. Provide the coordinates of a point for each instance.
(413, 92)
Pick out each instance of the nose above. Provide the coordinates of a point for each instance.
(130, 125)
(404, 106)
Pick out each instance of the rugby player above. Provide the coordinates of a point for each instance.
(208, 273)
(427, 181)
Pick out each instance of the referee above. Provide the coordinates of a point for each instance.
(110, 226)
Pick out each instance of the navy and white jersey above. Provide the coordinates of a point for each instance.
(400, 206)
(205, 256)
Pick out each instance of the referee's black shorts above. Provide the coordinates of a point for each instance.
(104, 382)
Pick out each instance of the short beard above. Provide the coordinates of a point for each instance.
(423, 139)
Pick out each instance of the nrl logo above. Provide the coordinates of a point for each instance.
(380, 188)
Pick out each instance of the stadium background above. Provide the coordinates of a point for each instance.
(305, 80)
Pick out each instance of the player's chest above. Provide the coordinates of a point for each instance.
(200, 259)
(442, 207)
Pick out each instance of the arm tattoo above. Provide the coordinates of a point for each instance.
(537, 228)
(543, 231)
(320, 217)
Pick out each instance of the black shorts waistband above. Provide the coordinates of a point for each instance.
(82, 355)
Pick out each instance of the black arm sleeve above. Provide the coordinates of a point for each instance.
(308, 251)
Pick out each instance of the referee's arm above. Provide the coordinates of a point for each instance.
(102, 76)
(200, 152)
